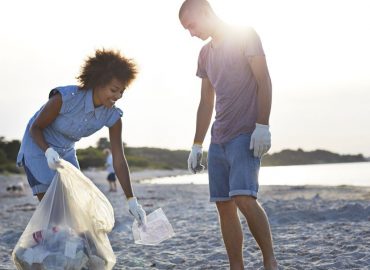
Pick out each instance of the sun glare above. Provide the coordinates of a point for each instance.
(236, 12)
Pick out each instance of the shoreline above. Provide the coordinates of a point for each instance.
(313, 227)
(100, 175)
(97, 175)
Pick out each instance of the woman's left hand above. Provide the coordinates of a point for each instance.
(136, 210)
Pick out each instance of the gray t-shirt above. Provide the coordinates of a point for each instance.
(227, 68)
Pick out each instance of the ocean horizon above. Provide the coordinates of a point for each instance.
(333, 174)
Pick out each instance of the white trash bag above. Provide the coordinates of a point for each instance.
(156, 230)
(69, 227)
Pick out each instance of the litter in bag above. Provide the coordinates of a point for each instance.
(156, 230)
(69, 228)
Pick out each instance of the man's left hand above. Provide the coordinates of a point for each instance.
(260, 140)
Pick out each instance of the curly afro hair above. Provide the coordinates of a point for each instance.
(106, 65)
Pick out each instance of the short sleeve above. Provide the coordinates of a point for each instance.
(116, 113)
(201, 70)
(253, 44)
(68, 94)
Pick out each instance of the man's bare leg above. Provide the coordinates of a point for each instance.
(232, 233)
(259, 227)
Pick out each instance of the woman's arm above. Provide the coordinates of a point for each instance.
(46, 116)
(119, 160)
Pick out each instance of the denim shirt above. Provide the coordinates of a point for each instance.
(77, 118)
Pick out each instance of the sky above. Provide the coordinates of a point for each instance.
(317, 53)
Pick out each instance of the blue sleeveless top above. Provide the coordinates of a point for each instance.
(77, 118)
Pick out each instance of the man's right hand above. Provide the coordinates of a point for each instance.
(195, 159)
(52, 157)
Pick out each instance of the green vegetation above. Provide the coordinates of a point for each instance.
(137, 158)
(90, 157)
(8, 155)
(156, 158)
(300, 157)
(140, 158)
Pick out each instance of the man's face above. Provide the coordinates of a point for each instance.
(196, 23)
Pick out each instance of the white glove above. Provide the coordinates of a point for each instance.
(260, 140)
(195, 159)
(136, 210)
(52, 157)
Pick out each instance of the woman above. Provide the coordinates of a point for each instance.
(77, 111)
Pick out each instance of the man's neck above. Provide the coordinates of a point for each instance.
(219, 34)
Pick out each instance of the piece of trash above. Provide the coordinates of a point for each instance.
(156, 230)
(69, 227)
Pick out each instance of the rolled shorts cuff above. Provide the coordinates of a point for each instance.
(41, 188)
(243, 192)
(219, 199)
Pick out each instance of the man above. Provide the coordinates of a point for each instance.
(233, 68)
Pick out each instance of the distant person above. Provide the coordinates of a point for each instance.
(111, 177)
(77, 111)
(233, 68)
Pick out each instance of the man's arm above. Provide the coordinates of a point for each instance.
(261, 136)
(205, 110)
(204, 115)
(264, 88)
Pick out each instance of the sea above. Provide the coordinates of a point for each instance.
(334, 174)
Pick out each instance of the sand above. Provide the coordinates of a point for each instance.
(314, 227)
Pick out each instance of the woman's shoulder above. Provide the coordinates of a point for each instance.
(71, 95)
(66, 92)
(115, 110)
(111, 115)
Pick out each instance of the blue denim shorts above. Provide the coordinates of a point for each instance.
(39, 175)
(111, 177)
(232, 169)
(35, 185)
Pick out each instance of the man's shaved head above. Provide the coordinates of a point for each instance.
(195, 5)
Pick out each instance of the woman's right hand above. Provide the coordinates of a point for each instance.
(52, 157)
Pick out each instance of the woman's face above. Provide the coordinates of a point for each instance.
(107, 95)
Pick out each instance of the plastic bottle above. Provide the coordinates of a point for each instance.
(156, 230)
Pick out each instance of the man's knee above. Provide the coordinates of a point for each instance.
(226, 207)
(245, 202)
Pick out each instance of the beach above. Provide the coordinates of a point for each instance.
(313, 227)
